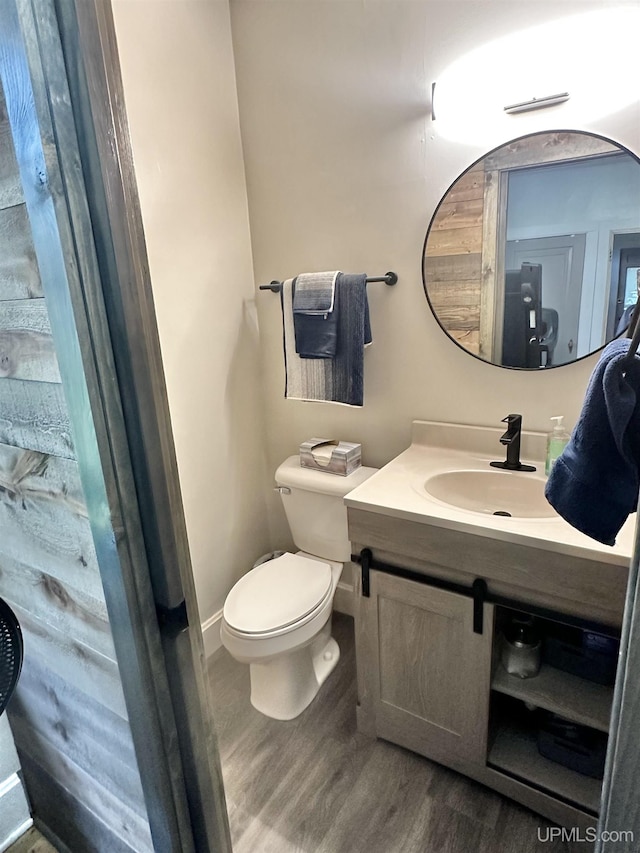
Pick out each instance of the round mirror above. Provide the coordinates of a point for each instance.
(532, 258)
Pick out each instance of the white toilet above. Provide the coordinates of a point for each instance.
(277, 618)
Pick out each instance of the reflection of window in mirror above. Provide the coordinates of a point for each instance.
(632, 286)
(625, 283)
(630, 281)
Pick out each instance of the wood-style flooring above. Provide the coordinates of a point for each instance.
(315, 785)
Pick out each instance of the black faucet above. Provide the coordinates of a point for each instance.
(511, 439)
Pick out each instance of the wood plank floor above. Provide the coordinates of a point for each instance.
(315, 785)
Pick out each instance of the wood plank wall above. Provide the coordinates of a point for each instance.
(68, 714)
(453, 260)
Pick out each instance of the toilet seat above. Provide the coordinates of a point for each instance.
(278, 596)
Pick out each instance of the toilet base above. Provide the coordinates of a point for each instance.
(284, 686)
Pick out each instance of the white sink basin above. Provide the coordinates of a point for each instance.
(492, 492)
(444, 479)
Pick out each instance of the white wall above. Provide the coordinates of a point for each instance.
(178, 73)
(344, 170)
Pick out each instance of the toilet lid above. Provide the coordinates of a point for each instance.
(277, 594)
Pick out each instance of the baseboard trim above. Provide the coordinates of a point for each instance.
(342, 602)
(16, 834)
(211, 634)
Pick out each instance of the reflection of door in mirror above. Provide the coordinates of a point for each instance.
(562, 261)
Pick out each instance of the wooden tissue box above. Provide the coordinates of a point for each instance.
(334, 457)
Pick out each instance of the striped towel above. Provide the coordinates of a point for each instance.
(333, 380)
(314, 292)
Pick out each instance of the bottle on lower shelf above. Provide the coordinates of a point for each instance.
(521, 647)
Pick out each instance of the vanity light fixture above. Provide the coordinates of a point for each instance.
(537, 103)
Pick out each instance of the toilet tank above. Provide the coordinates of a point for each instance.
(315, 510)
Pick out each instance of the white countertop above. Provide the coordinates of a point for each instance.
(398, 490)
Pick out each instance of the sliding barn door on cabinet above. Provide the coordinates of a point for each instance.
(110, 717)
(428, 685)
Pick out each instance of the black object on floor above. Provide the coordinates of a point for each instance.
(11, 653)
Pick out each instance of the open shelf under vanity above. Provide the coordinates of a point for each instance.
(568, 695)
(520, 708)
(514, 750)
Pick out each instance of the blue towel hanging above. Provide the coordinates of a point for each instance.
(594, 483)
(339, 379)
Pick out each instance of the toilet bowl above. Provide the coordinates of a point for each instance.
(277, 618)
(287, 645)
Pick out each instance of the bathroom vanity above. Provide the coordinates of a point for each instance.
(438, 578)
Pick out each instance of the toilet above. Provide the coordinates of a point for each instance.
(277, 618)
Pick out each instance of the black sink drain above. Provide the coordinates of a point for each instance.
(502, 512)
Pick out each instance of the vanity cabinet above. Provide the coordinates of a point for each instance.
(430, 681)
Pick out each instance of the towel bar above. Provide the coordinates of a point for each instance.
(389, 279)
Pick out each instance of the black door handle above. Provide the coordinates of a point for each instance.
(479, 590)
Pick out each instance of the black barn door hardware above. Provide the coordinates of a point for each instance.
(478, 592)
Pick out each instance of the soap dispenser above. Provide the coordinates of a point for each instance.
(556, 442)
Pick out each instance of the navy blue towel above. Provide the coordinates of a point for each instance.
(333, 380)
(316, 334)
(594, 482)
(315, 314)
(354, 334)
(316, 337)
